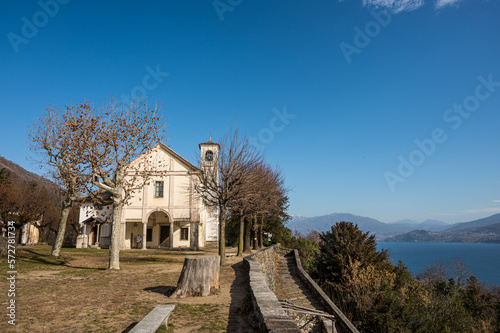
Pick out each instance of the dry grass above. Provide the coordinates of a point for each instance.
(76, 293)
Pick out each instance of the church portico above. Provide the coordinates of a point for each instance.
(162, 232)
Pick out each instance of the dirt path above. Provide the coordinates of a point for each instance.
(78, 294)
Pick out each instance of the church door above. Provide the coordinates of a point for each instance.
(93, 235)
(164, 236)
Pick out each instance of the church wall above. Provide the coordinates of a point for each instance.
(158, 201)
(182, 189)
(133, 214)
(136, 199)
(177, 235)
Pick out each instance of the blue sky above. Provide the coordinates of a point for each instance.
(336, 92)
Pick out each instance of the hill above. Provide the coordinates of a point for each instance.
(493, 219)
(404, 226)
(22, 176)
(324, 223)
(483, 234)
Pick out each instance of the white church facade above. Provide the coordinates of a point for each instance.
(165, 213)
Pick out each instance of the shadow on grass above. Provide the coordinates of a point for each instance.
(162, 290)
(47, 259)
(130, 327)
(162, 329)
(149, 259)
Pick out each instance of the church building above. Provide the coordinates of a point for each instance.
(165, 213)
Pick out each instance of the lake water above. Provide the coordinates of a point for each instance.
(483, 259)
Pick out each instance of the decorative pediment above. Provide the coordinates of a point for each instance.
(162, 159)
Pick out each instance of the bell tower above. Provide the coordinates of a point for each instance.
(209, 154)
(209, 163)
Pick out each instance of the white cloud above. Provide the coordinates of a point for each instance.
(497, 201)
(443, 3)
(397, 6)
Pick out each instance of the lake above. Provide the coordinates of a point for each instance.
(483, 259)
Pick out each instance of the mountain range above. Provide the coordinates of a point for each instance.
(486, 230)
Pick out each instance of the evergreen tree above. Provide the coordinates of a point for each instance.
(343, 244)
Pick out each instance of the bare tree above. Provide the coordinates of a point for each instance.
(261, 195)
(434, 273)
(60, 138)
(460, 271)
(226, 183)
(270, 190)
(33, 202)
(244, 207)
(124, 133)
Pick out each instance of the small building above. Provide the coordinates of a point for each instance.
(30, 234)
(165, 213)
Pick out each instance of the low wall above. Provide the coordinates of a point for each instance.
(262, 278)
(342, 324)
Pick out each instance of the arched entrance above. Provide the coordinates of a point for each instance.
(159, 231)
(92, 231)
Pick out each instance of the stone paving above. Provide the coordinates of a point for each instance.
(290, 287)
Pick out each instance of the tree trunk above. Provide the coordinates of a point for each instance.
(248, 236)
(254, 227)
(65, 209)
(199, 277)
(222, 235)
(259, 236)
(241, 235)
(261, 226)
(116, 235)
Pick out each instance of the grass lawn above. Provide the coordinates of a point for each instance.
(76, 293)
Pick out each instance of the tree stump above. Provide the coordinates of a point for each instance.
(199, 277)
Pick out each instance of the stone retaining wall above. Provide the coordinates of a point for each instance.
(262, 278)
(268, 311)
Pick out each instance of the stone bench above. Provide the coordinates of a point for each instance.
(154, 319)
(230, 255)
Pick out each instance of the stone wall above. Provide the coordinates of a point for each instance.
(267, 259)
(268, 311)
(262, 276)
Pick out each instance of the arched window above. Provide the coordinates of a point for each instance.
(209, 156)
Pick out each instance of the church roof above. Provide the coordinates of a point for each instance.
(209, 142)
(181, 159)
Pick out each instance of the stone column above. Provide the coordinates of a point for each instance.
(144, 234)
(98, 236)
(85, 237)
(171, 238)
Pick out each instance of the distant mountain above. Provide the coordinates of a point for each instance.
(493, 219)
(22, 176)
(297, 218)
(483, 234)
(325, 222)
(405, 230)
(430, 225)
(435, 222)
(406, 221)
